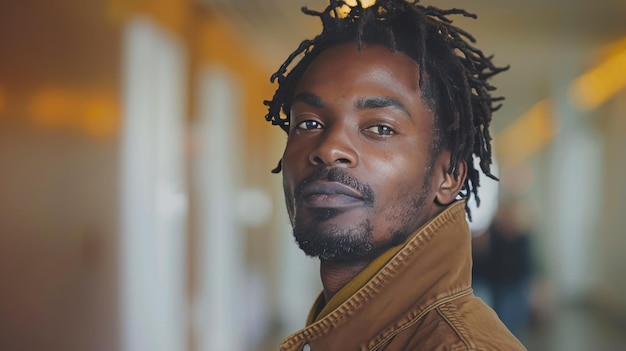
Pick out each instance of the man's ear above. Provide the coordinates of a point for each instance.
(450, 186)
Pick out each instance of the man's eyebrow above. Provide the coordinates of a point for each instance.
(309, 99)
(381, 102)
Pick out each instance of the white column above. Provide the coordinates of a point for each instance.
(219, 318)
(575, 194)
(153, 195)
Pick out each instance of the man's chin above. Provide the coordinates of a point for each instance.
(335, 242)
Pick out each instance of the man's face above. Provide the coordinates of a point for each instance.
(357, 168)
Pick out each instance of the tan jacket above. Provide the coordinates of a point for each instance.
(421, 299)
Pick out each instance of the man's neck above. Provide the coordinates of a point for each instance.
(336, 275)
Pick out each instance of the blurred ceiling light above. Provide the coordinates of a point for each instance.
(364, 3)
(3, 100)
(533, 130)
(53, 108)
(96, 114)
(599, 84)
(345, 9)
(100, 115)
(527, 135)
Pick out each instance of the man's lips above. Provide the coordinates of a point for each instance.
(325, 194)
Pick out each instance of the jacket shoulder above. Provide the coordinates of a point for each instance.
(465, 324)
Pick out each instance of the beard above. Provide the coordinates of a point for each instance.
(330, 242)
(334, 243)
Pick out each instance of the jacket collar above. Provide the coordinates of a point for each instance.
(432, 266)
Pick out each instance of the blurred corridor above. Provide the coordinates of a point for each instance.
(137, 207)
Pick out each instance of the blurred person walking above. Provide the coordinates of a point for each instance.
(503, 268)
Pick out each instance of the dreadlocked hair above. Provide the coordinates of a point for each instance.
(453, 74)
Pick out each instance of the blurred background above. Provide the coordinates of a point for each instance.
(138, 211)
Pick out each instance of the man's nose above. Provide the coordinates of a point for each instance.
(335, 148)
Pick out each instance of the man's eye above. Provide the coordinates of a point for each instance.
(309, 124)
(381, 130)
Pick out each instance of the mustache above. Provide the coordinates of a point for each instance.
(338, 175)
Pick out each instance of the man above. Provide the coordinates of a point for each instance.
(385, 111)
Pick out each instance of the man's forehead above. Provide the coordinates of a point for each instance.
(372, 65)
(350, 56)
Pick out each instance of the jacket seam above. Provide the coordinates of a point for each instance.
(420, 315)
(453, 326)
